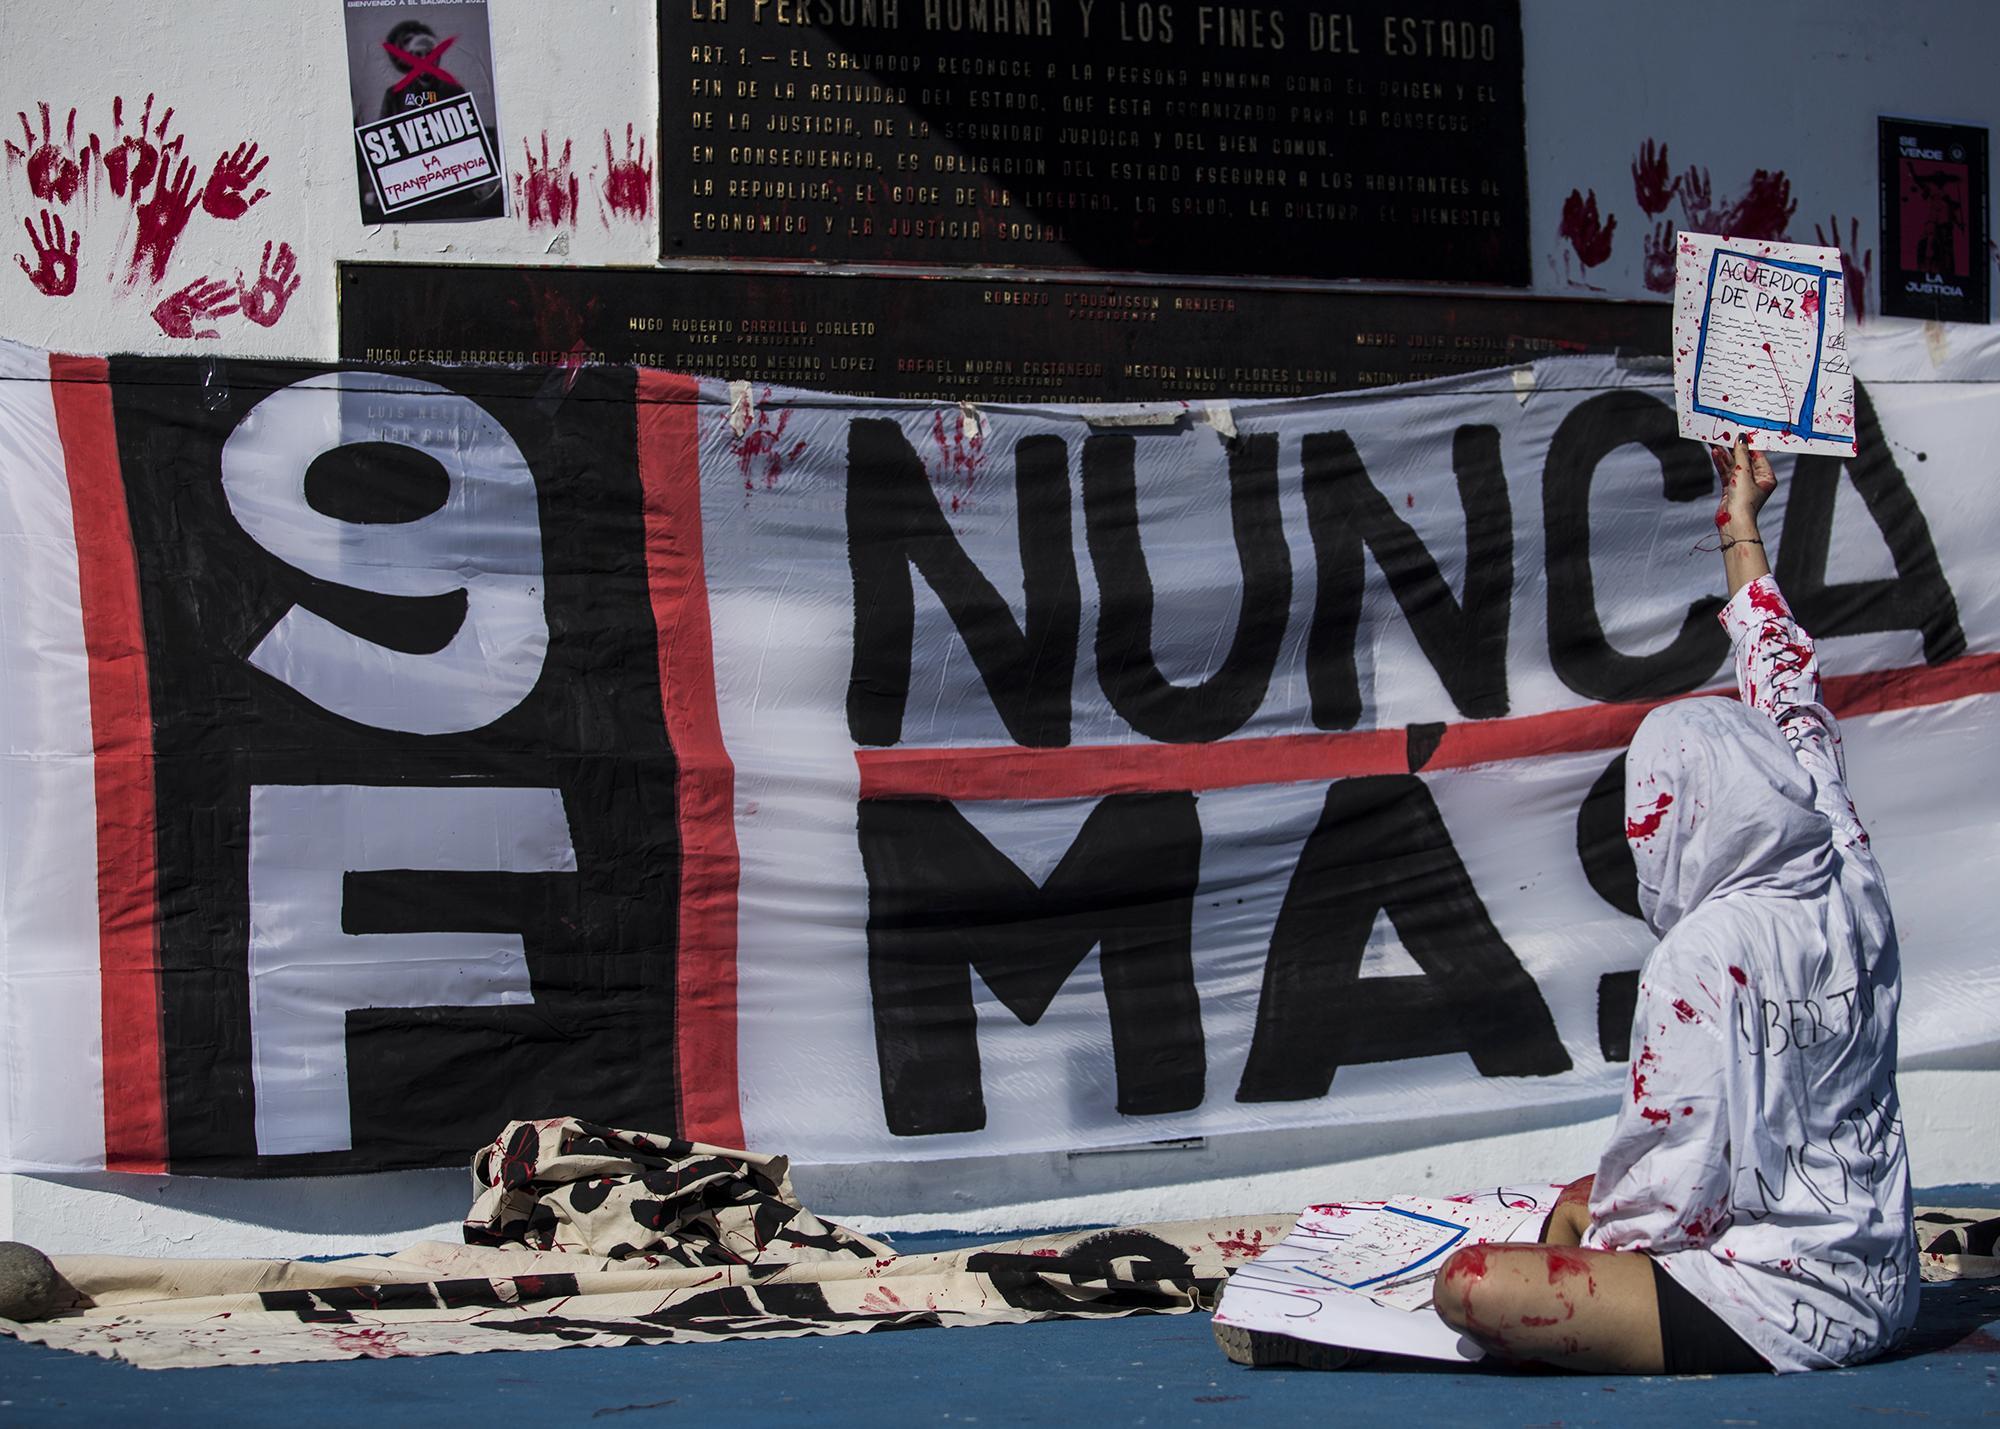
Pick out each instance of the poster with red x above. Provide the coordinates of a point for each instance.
(427, 143)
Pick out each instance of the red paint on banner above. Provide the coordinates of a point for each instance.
(764, 438)
(1656, 1116)
(1738, 974)
(1237, 1245)
(705, 779)
(1095, 771)
(121, 727)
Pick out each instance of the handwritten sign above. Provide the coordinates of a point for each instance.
(1760, 345)
(1359, 1273)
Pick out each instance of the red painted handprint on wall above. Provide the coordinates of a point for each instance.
(132, 159)
(162, 217)
(55, 171)
(1589, 236)
(548, 192)
(264, 300)
(199, 301)
(1859, 276)
(234, 171)
(628, 182)
(54, 272)
(145, 166)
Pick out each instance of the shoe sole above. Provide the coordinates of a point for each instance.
(1262, 1349)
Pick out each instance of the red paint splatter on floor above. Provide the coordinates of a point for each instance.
(1236, 1245)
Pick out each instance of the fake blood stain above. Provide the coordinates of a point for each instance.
(1646, 825)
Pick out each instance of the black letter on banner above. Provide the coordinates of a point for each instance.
(1917, 599)
(894, 522)
(1465, 643)
(1600, 841)
(1583, 659)
(1381, 845)
(1127, 667)
(942, 902)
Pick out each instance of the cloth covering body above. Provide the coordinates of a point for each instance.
(1760, 1154)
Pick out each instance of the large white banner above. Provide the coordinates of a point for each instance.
(1100, 781)
(390, 755)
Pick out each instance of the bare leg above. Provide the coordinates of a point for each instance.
(1575, 1309)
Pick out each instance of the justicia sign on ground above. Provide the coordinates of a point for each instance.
(874, 780)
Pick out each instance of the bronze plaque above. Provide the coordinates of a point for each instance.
(965, 338)
(1384, 139)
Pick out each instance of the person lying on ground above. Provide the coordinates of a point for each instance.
(1752, 1211)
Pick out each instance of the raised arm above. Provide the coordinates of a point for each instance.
(1777, 666)
(1747, 483)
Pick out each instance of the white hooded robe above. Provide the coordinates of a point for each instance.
(1759, 1156)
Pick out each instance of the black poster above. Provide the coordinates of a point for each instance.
(1934, 221)
(1384, 139)
(966, 338)
(385, 846)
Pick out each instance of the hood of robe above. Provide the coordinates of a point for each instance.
(1716, 805)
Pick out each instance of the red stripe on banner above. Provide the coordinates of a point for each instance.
(121, 727)
(705, 969)
(1094, 771)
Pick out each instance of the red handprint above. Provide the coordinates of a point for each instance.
(1650, 184)
(162, 218)
(133, 158)
(548, 192)
(1581, 227)
(1660, 257)
(1858, 276)
(1766, 208)
(234, 172)
(54, 272)
(1697, 200)
(264, 300)
(628, 182)
(54, 174)
(178, 312)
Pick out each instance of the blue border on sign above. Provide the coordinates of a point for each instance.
(1811, 397)
(1400, 1271)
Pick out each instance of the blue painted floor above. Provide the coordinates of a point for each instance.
(1161, 1370)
